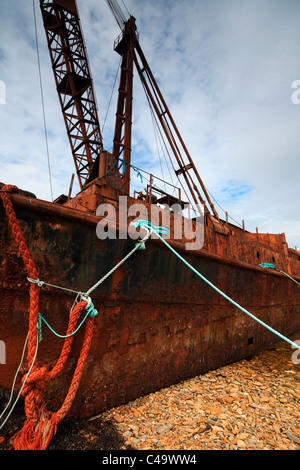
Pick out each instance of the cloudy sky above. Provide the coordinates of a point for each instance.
(225, 68)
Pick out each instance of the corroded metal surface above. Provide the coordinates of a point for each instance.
(158, 323)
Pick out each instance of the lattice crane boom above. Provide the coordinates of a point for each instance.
(73, 82)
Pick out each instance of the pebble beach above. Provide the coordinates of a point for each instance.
(250, 405)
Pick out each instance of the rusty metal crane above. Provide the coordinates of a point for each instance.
(77, 98)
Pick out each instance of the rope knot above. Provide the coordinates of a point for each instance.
(92, 311)
(40, 424)
(36, 281)
(35, 383)
(35, 376)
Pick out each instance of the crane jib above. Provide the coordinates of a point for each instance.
(78, 102)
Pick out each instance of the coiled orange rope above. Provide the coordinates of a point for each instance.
(41, 425)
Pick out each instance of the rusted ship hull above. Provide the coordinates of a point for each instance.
(158, 323)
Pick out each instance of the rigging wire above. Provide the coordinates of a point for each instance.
(42, 97)
(112, 92)
(117, 12)
(157, 134)
(222, 208)
(126, 8)
(180, 183)
(158, 152)
(167, 151)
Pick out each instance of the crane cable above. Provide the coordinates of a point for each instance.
(111, 95)
(42, 97)
(117, 12)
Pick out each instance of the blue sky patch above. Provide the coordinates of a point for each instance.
(235, 190)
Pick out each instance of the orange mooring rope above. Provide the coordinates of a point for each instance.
(40, 425)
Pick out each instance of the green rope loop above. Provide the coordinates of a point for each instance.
(272, 266)
(90, 311)
(267, 265)
(149, 226)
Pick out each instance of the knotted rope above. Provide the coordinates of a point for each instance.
(41, 424)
